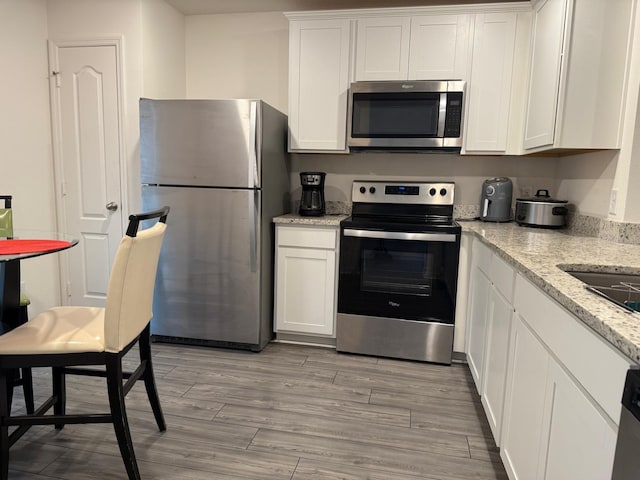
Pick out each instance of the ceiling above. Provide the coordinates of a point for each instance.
(204, 7)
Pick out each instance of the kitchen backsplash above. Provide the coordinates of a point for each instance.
(578, 224)
(602, 228)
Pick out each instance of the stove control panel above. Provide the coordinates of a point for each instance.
(422, 193)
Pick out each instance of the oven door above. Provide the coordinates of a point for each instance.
(393, 274)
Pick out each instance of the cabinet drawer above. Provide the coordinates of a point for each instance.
(307, 237)
(482, 256)
(595, 364)
(502, 276)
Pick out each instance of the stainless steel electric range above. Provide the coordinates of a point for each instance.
(399, 254)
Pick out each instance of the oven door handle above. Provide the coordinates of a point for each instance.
(420, 237)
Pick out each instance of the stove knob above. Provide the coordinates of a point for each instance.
(363, 190)
(372, 190)
(443, 191)
(432, 192)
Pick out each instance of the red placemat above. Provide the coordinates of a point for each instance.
(16, 247)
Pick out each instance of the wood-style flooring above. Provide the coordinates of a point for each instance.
(291, 412)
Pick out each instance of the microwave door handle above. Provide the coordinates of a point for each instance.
(442, 114)
(416, 236)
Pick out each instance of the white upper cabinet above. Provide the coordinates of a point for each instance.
(578, 74)
(319, 55)
(422, 47)
(383, 48)
(545, 73)
(548, 76)
(489, 90)
(439, 47)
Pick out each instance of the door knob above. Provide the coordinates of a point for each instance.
(112, 206)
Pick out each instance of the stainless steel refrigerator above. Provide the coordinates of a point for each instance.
(222, 167)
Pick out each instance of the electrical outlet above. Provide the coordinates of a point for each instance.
(527, 191)
(612, 201)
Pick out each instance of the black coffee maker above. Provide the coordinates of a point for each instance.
(312, 201)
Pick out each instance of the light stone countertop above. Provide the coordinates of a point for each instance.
(537, 254)
(295, 219)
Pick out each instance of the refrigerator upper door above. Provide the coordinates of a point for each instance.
(208, 285)
(200, 142)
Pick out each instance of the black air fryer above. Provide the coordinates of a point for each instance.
(312, 201)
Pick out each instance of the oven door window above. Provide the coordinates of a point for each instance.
(395, 115)
(397, 272)
(413, 280)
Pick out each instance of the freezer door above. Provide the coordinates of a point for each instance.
(208, 284)
(200, 142)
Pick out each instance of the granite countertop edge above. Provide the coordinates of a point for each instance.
(295, 219)
(540, 255)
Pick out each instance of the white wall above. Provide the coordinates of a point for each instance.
(163, 50)
(238, 56)
(587, 180)
(25, 137)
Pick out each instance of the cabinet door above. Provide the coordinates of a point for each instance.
(305, 290)
(489, 91)
(477, 323)
(544, 79)
(318, 84)
(499, 316)
(524, 405)
(438, 47)
(581, 442)
(382, 48)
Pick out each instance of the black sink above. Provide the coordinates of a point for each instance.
(623, 289)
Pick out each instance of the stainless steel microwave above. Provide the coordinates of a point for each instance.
(410, 115)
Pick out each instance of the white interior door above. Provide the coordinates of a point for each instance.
(88, 154)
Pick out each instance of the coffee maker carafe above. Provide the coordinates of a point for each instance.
(312, 201)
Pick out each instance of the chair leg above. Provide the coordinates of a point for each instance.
(119, 414)
(13, 375)
(59, 392)
(27, 388)
(144, 343)
(6, 377)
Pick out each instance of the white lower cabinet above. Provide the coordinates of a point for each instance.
(552, 429)
(480, 286)
(580, 441)
(488, 329)
(305, 290)
(549, 385)
(562, 394)
(495, 361)
(525, 399)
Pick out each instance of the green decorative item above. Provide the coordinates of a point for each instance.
(6, 222)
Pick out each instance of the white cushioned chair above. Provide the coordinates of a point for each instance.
(68, 337)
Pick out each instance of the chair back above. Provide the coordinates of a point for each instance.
(132, 281)
(6, 217)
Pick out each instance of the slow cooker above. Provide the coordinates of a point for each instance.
(541, 211)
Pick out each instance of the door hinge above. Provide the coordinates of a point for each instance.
(56, 75)
(63, 188)
(68, 289)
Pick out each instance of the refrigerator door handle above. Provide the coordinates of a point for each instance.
(253, 231)
(254, 179)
